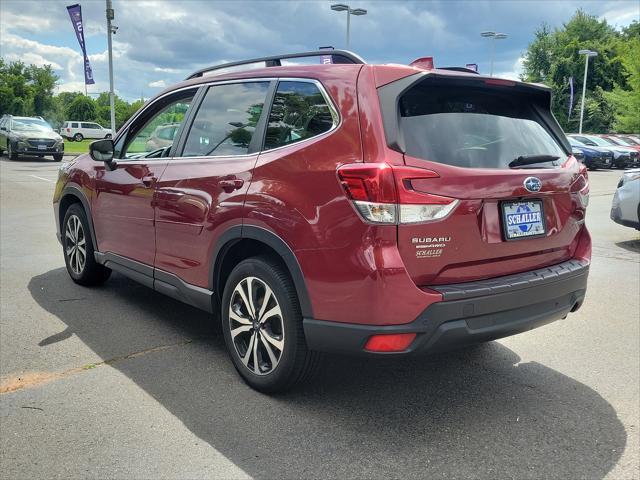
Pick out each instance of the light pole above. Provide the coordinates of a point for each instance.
(587, 54)
(493, 36)
(111, 29)
(341, 7)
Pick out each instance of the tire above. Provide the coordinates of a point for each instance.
(281, 332)
(10, 153)
(82, 268)
(78, 137)
(58, 157)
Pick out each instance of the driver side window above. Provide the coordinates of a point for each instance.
(153, 133)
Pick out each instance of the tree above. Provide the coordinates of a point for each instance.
(552, 58)
(82, 109)
(626, 101)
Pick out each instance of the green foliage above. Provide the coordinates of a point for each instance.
(626, 101)
(552, 58)
(82, 108)
(28, 91)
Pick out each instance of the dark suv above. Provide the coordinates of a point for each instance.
(343, 207)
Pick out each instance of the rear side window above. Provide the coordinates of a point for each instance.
(299, 111)
(472, 127)
(74, 125)
(226, 120)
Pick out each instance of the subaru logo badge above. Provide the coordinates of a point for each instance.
(532, 184)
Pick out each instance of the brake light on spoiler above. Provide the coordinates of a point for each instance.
(383, 194)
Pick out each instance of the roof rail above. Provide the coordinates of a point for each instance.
(338, 56)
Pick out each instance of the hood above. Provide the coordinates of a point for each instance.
(592, 150)
(32, 134)
(620, 149)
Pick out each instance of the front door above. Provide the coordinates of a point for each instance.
(123, 206)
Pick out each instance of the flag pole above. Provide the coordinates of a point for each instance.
(110, 30)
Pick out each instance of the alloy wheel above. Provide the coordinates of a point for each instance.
(256, 325)
(75, 244)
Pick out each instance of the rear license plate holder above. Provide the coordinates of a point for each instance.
(523, 219)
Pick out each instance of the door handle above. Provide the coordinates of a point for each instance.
(231, 184)
(149, 180)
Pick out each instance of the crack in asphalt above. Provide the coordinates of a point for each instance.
(35, 379)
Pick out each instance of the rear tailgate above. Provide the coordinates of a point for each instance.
(506, 220)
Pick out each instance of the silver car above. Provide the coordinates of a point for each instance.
(625, 208)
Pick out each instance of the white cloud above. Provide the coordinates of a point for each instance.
(514, 73)
(158, 84)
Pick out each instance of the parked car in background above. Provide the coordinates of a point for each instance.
(617, 140)
(625, 208)
(29, 136)
(78, 131)
(630, 139)
(592, 157)
(162, 136)
(346, 207)
(623, 157)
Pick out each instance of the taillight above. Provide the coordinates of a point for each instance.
(581, 187)
(383, 194)
(68, 129)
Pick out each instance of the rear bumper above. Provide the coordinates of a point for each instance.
(472, 312)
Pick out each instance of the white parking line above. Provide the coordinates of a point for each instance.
(42, 178)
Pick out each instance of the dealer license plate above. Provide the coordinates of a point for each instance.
(523, 219)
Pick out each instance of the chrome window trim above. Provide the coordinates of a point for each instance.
(335, 113)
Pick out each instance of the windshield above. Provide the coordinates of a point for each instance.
(469, 127)
(619, 141)
(575, 143)
(31, 125)
(600, 141)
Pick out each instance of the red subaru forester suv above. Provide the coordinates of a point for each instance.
(342, 207)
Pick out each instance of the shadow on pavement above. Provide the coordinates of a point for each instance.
(630, 245)
(475, 413)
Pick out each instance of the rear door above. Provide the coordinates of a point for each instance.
(497, 219)
(201, 193)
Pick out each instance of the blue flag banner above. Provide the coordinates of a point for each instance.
(570, 95)
(75, 13)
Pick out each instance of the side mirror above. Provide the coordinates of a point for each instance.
(3, 128)
(102, 151)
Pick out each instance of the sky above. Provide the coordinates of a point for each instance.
(161, 42)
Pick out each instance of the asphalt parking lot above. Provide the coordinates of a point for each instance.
(121, 382)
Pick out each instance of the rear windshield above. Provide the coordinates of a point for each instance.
(473, 127)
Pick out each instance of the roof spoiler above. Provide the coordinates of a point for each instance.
(426, 63)
(337, 56)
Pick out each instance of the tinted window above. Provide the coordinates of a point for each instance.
(472, 127)
(226, 120)
(167, 133)
(74, 125)
(299, 112)
(142, 136)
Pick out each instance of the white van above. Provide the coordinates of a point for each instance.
(80, 130)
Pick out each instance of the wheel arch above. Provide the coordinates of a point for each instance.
(70, 195)
(244, 241)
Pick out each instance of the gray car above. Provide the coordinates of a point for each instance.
(29, 136)
(625, 208)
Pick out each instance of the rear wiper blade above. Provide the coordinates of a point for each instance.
(531, 159)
